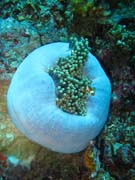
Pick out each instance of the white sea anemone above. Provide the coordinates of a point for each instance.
(32, 105)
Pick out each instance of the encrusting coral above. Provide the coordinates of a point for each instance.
(72, 86)
(34, 96)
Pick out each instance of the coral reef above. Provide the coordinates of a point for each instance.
(36, 12)
(3, 165)
(122, 39)
(17, 39)
(90, 9)
(109, 27)
(117, 142)
(29, 10)
(85, 12)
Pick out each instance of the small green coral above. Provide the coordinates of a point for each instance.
(72, 86)
(81, 7)
(90, 8)
(122, 38)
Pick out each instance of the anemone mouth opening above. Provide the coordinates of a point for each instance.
(72, 85)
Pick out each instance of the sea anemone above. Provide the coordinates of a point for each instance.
(59, 96)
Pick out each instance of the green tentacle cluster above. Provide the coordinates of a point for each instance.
(72, 86)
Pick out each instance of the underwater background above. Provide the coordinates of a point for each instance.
(110, 28)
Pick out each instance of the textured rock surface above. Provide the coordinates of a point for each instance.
(17, 40)
(12, 142)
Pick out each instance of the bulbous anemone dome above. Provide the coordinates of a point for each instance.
(32, 107)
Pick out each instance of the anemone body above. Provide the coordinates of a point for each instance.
(32, 106)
